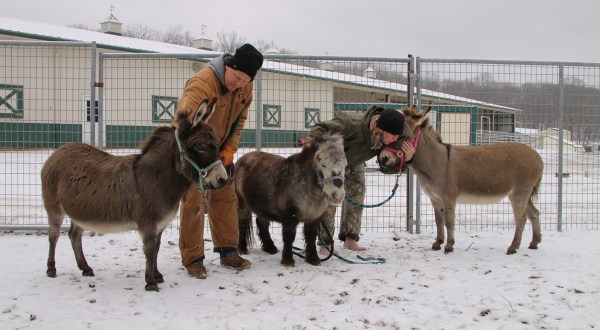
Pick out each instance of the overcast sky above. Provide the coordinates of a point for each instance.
(538, 30)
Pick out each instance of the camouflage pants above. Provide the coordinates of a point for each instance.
(350, 221)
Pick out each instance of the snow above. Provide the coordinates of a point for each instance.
(476, 286)
(44, 31)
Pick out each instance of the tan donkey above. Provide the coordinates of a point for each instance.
(474, 175)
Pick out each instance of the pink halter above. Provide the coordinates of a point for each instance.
(400, 154)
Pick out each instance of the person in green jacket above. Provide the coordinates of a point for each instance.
(364, 135)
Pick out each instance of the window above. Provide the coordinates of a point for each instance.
(271, 115)
(88, 109)
(11, 101)
(311, 117)
(163, 108)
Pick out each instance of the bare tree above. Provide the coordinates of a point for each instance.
(227, 42)
(287, 51)
(84, 27)
(176, 35)
(140, 31)
(263, 46)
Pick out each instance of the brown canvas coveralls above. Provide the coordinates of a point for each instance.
(227, 119)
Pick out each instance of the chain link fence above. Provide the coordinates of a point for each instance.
(47, 88)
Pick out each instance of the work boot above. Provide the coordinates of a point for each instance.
(351, 244)
(234, 261)
(196, 269)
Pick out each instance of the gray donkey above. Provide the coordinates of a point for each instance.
(474, 175)
(106, 193)
(292, 190)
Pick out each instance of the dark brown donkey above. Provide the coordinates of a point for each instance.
(105, 193)
(474, 175)
(292, 190)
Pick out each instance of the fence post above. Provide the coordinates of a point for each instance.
(561, 113)
(93, 94)
(100, 85)
(258, 102)
(412, 82)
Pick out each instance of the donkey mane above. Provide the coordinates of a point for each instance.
(155, 139)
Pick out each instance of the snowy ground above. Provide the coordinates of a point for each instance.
(476, 286)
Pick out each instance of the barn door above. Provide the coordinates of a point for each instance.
(87, 122)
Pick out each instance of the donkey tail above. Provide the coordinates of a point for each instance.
(245, 230)
(536, 189)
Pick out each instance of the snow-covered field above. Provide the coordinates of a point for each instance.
(475, 287)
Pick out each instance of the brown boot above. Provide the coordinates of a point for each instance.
(235, 261)
(196, 269)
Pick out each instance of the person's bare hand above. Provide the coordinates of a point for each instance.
(408, 150)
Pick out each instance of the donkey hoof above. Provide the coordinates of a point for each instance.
(289, 264)
(314, 262)
(87, 273)
(159, 278)
(448, 250)
(270, 249)
(51, 273)
(533, 246)
(152, 287)
(511, 251)
(436, 246)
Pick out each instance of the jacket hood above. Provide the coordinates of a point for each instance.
(217, 65)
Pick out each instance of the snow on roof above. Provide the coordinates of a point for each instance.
(44, 31)
(374, 83)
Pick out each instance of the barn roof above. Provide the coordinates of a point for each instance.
(48, 32)
(42, 31)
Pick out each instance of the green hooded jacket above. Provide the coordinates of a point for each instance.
(356, 132)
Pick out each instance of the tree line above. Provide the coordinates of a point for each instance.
(538, 102)
(226, 41)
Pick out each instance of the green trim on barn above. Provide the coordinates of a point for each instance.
(271, 138)
(364, 106)
(36, 135)
(11, 101)
(119, 136)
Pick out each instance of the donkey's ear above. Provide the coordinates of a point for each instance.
(204, 111)
(426, 111)
(185, 127)
(422, 116)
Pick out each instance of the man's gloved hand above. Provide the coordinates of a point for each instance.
(227, 154)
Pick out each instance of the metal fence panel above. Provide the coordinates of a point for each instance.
(553, 107)
(45, 98)
(46, 91)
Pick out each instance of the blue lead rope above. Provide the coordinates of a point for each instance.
(355, 203)
(329, 247)
(368, 260)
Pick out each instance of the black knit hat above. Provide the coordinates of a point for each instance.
(246, 59)
(391, 121)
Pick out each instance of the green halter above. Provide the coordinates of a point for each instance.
(202, 172)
